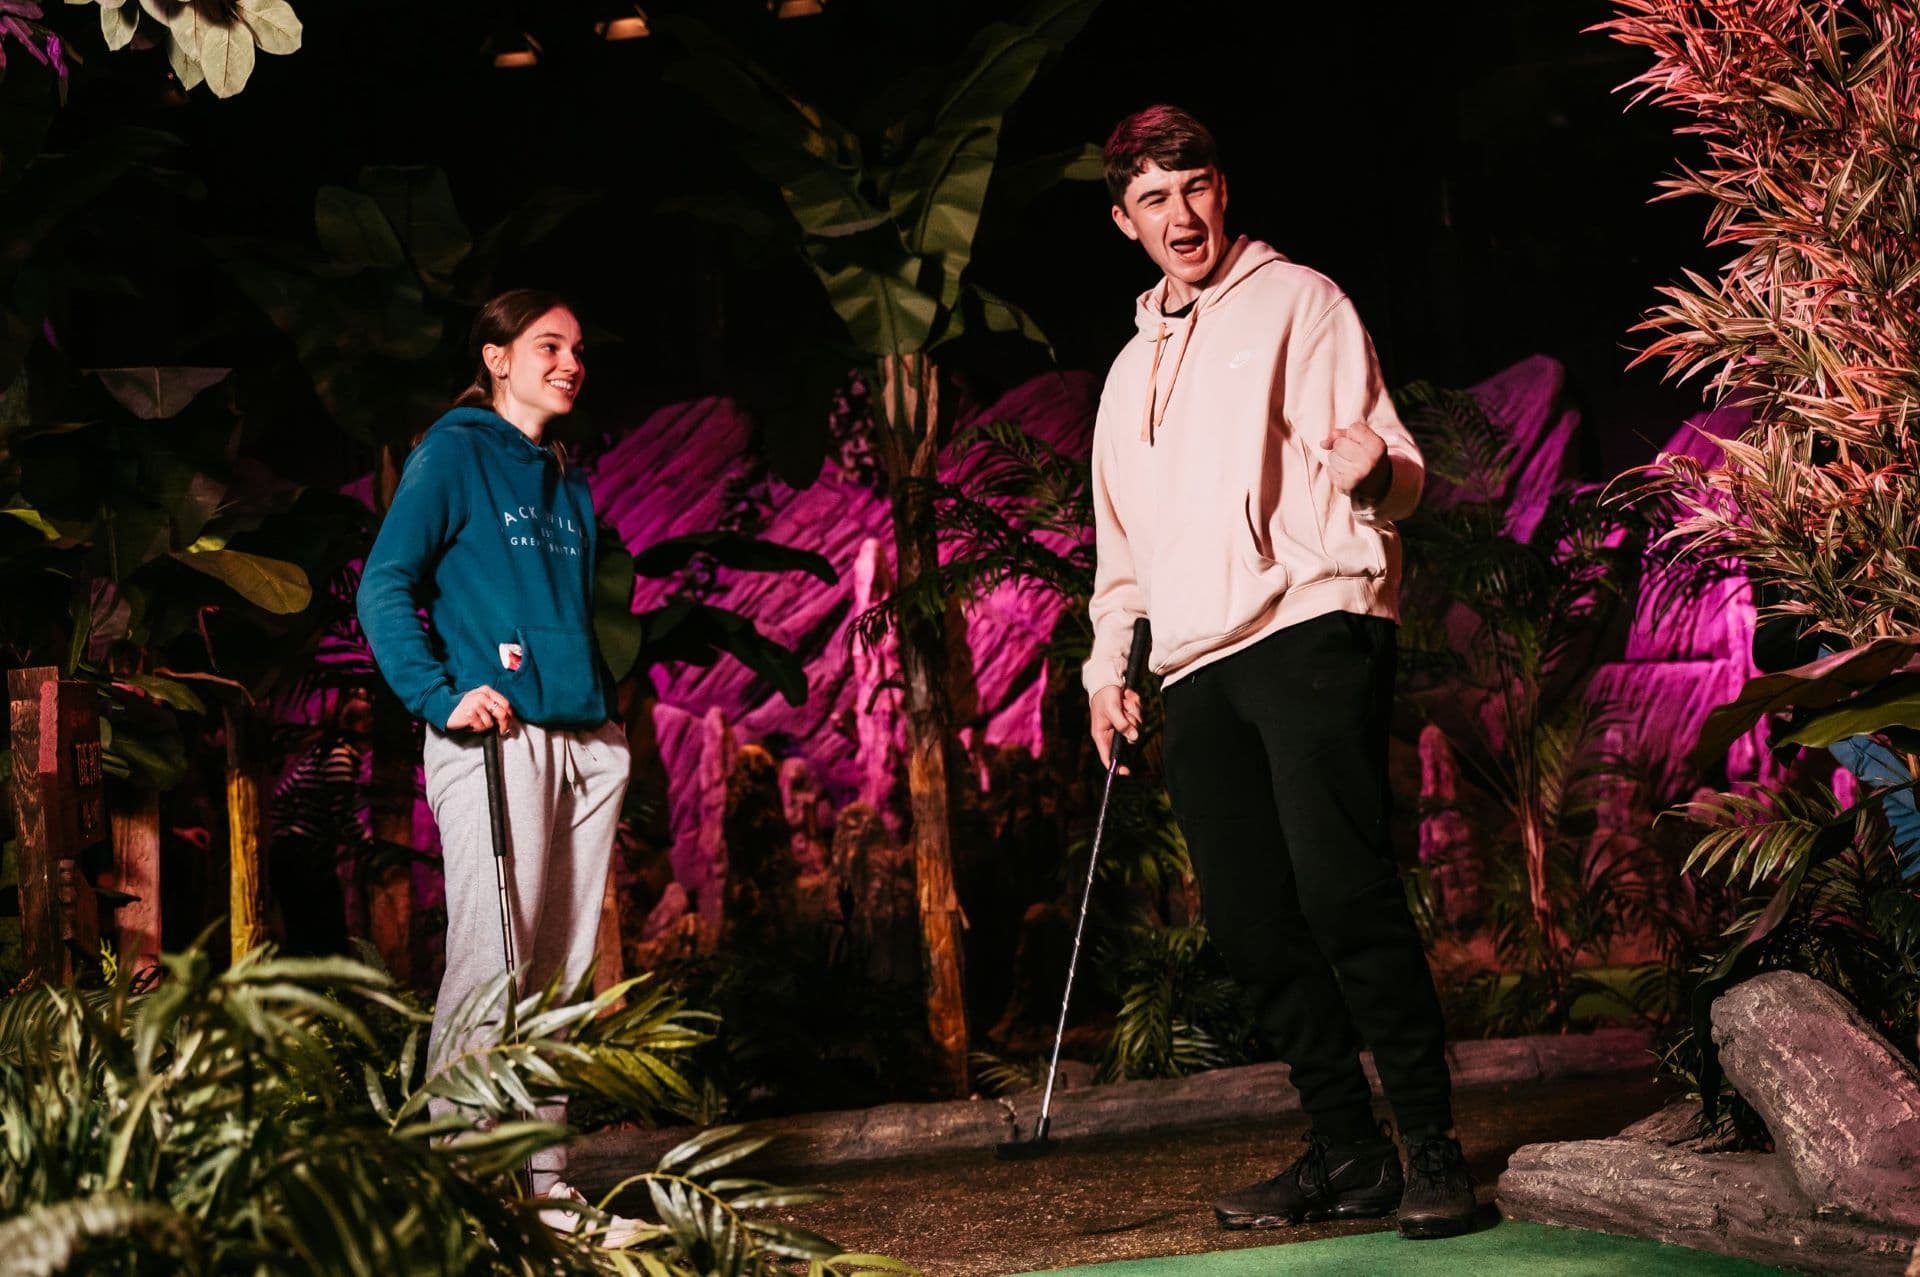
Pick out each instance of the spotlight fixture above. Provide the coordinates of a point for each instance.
(515, 49)
(796, 8)
(631, 25)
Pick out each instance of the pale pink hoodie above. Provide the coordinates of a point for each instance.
(1214, 512)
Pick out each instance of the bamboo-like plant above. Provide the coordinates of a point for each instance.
(1808, 113)
(888, 222)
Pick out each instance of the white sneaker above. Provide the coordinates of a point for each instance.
(611, 1231)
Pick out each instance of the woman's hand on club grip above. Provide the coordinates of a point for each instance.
(481, 710)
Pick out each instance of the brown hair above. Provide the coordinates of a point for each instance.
(498, 323)
(1163, 135)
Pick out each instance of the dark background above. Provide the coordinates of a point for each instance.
(1466, 171)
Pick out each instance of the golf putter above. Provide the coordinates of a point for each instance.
(497, 824)
(497, 821)
(1038, 1144)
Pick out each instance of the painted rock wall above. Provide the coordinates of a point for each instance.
(671, 476)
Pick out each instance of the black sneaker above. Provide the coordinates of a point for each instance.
(1329, 1181)
(1439, 1200)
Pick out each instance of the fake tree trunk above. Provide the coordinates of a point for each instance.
(246, 817)
(908, 425)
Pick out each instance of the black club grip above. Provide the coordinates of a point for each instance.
(1137, 655)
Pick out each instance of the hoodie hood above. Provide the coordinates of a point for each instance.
(1244, 259)
(498, 429)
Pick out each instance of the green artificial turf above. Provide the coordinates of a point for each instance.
(1529, 1250)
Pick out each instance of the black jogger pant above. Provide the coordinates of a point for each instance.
(1276, 760)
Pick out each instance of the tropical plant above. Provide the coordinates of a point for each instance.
(1017, 510)
(21, 26)
(132, 549)
(1179, 1012)
(888, 219)
(1536, 606)
(377, 309)
(212, 41)
(1809, 118)
(272, 1117)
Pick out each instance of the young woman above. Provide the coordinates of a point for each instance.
(492, 533)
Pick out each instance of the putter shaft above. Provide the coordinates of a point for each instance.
(1136, 670)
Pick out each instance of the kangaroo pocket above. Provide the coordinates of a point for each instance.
(558, 682)
(1213, 585)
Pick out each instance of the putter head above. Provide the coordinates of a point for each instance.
(1022, 1150)
(1018, 1150)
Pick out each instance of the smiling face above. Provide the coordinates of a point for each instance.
(538, 376)
(1179, 216)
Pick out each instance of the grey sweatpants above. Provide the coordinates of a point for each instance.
(563, 791)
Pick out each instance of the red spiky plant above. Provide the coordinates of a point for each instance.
(1808, 112)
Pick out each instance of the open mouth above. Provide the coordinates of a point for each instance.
(565, 385)
(1190, 248)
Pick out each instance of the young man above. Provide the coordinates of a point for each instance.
(1247, 467)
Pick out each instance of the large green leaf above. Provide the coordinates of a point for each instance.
(226, 56)
(118, 23)
(871, 286)
(276, 27)
(1815, 685)
(276, 586)
(938, 194)
(156, 394)
(33, 519)
(815, 163)
(168, 691)
(698, 633)
(147, 752)
(354, 230)
(540, 215)
(188, 494)
(733, 550)
(1015, 185)
(619, 631)
(136, 533)
(1894, 702)
(998, 315)
(419, 207)
(56, 187)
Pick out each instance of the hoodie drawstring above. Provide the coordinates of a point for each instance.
(1154, 413)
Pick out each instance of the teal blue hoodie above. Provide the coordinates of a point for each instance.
(494, 537)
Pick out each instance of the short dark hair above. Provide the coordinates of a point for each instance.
(1163, 135)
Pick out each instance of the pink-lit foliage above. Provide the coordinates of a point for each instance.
(20, 24)
(1808, 112)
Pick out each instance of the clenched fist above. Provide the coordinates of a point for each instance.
(1357, 457)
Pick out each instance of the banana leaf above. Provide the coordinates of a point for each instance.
(1815, 685)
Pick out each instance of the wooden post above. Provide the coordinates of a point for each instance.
(136, 871)
(59, 810)
(245, 814)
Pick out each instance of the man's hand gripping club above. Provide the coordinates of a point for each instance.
(1117, 708)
